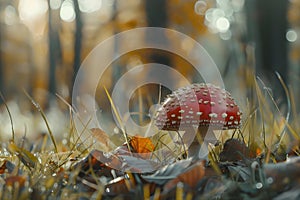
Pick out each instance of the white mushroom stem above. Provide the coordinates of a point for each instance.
(198, 141)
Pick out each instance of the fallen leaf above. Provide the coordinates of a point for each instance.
(190, 177)
(168, 172)
(235, 150)
(141, 144)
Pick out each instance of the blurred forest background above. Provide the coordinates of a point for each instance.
(43, 42)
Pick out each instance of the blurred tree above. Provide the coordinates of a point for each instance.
(77, 41)
(1, 54)
(1, 61)
(267, 23)
(156, 16)
(54, 51)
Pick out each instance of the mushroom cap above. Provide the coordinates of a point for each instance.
(199, 104)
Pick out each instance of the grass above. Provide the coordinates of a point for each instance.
(67, 169)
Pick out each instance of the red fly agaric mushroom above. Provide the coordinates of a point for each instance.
(204, 106)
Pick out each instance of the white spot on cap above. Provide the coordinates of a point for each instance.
(191, 112)
(181, 111)
(206, 102)
(231, 117)
(173, 115)
(214, 115)
(199, 113)
(224, 115)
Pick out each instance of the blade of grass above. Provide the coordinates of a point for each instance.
(260, 104)
(85, 125)
(40, 110)
(140, 105)
(118, 118)
(293, 105)
(163, 144)
(10, 117)
(288, 100)
(71, 122)
(286, 119)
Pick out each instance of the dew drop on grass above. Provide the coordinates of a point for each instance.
(200, 7)
(43, 188)
(64, 141)
(270, 180)
(116, 130)
(259, 185)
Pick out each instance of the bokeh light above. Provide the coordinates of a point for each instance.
(222, 24)
(291, 35)
(10, 15)
(200, 7)
(67, 12)
(32, 9)
(55, 4)
(89, 6)
(226, 35)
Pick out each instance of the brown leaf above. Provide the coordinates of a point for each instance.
(190, 177)
(235, 150)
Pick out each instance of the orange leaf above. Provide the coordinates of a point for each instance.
(141, 145)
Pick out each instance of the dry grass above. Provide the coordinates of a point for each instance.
(46, 168)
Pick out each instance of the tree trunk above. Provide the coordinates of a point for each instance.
(77, 42)
(54, 53)
(1, 61)
(156, 15)
(267, 25)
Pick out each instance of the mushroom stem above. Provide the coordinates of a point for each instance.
(198, 146)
